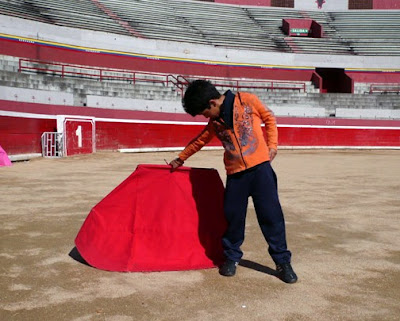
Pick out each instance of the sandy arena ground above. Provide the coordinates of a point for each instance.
(342, 210)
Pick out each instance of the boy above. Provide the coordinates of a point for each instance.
(236, 120)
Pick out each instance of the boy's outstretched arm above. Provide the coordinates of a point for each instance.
(194, 146)
(177, 162)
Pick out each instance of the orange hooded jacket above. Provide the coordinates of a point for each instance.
(245, 145)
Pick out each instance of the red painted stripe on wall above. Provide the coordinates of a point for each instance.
(126, 135)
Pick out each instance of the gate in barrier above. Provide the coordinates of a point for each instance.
(52, 144)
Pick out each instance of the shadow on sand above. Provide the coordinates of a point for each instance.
(74, 253)
(257, 267)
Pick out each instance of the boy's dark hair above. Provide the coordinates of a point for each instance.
(198, 95)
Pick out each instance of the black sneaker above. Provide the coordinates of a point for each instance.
(228, 268)
(286, 273)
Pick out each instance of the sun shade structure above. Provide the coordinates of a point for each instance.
(157, 220)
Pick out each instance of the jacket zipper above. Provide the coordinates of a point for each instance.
(240, 148)
(221, 121)
(234, 134)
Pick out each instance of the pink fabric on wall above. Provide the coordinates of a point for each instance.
(157, 220)
(4, 160)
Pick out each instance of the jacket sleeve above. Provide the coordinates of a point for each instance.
(268, 118)
(198, 142)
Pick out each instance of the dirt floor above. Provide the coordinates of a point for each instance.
(342, 210)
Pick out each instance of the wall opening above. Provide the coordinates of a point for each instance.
(335, 80)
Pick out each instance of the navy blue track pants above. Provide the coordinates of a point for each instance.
(260, 183)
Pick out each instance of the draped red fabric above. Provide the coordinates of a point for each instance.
(157, 220)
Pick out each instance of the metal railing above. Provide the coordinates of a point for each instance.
(238, 84)
(52, 144)
(133, 77)
(384, 88)
(92, 73)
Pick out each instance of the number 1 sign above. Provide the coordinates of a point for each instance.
(79, 135)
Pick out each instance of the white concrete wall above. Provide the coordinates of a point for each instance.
(105, 41)
(36, 96)
(134, 104)
(367, 113)
(327, 5)
(176, 107)
(298, 111)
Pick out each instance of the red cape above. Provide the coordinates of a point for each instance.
(157, 220)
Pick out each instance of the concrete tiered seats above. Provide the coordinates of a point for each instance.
(71, 13)
(319, 46)
(155, 19)
(22, 9)
(227, 26)
(81, 87)
(358, 32)
(162, 97)
(197, 22)
(369, 33)
(271, 20)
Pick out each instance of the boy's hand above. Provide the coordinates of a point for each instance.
(272, 154)
(177, 162)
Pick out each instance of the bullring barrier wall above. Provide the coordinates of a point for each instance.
(22, 123)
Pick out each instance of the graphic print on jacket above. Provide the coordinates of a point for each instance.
(247, 139)
(222, 132)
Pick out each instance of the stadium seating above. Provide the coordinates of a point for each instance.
(166, 97)
(369, 33)
(242, 27)
(72, 13)
(18, 8)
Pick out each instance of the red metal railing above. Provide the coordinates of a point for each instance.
(101, 74)
(384, 88)
(179, 81)
(239, 84)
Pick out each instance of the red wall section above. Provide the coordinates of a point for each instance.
(386, 4)
(374, 77)
(67, 55)
(115, 129)
(289, 136)
(128, 135)
(51, 53)
(22, 135)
